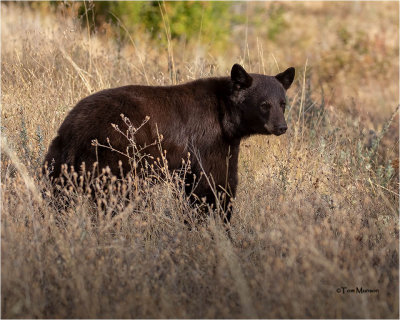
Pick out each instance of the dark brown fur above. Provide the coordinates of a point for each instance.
(207, 117)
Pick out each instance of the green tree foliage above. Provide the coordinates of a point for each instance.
(276, 22)
(211, 21)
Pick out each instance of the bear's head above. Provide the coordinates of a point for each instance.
(261, 100)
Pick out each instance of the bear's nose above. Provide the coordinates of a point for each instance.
(281, 129)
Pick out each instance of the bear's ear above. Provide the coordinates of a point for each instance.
(286, 77)
(240, 77)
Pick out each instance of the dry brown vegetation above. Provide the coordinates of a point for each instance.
(316, 210)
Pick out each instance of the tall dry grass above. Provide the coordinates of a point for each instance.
(316, 210)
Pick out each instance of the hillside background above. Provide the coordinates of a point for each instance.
(316, 210)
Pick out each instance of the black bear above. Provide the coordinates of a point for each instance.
(207, 116)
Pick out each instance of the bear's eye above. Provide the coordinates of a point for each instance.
(264, 107)
(283, 106)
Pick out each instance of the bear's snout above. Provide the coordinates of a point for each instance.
(280, 130)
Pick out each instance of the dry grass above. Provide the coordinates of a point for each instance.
(316, 209)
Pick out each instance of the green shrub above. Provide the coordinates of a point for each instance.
(185, 19)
